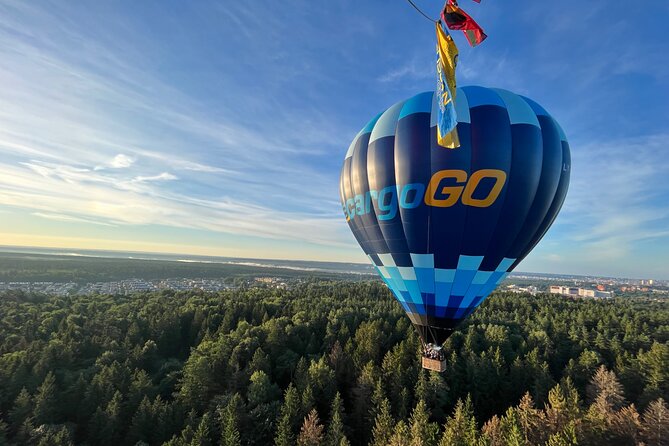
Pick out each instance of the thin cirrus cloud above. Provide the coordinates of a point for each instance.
(615, 219)
(619, 197)
(68, 218)
(75, 158)
(164, 176)
(131, 202)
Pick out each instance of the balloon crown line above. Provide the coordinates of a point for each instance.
(456, 19)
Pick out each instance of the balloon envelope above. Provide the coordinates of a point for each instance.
(444, 227)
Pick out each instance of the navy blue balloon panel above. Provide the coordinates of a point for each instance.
(444, 227)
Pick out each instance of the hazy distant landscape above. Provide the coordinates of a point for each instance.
(71, 272)
(82, 266)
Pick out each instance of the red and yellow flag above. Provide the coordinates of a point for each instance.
(456, 18)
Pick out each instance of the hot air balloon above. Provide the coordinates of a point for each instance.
(443, 227)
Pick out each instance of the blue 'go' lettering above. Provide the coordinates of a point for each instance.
(390, 207)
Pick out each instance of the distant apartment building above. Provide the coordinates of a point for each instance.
(557, 289)
(516, 289)
(582, 292)
(579, 292)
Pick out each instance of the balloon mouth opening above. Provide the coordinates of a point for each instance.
(433, 337)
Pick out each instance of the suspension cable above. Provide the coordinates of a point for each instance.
(420, 11)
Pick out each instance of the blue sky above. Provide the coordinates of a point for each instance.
(220, 128)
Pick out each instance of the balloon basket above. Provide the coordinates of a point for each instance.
(434, 364)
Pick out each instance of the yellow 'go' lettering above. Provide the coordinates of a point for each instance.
(447, 196)
(475, 179)
(453, 192)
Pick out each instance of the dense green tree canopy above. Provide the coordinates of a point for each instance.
(334, 362)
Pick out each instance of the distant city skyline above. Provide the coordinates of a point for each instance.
(219, 129)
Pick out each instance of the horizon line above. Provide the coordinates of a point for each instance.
(7, 249)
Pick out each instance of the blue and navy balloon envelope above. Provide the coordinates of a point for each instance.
(444, 227)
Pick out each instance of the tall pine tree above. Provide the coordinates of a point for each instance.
(46, 401)
(335, 434)
(655, 424)
(423, 432)
(23, 407)
(460, 428)
(289, 419)
(202, 435)
(383, 425)
(229, 422)
(311, 433)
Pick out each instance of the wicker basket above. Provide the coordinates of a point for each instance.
(434, 364)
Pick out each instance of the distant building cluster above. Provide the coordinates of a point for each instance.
(53, 288)
(607, 282)
(517, 289)
(634, 289)
(580, 292)
(129, 286)
(121, 287)
(274, 282)
(139, 285)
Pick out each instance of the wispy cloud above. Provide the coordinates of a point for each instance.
(618, 196)
(100, 200)
(71, 124)
(411, 70)
(69, 218)
(120, 161)
(165, 176)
